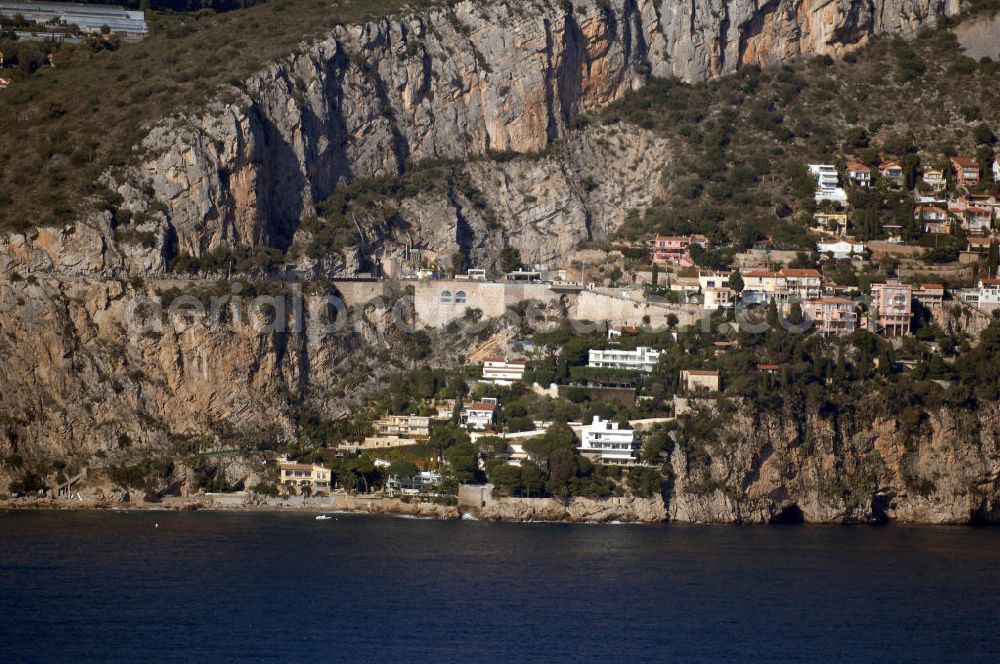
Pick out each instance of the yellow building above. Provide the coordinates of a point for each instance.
(314, 476)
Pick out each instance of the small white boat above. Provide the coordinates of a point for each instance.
(323, 517)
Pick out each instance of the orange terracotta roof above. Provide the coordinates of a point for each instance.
(804, 272)
(964, 162)
(482, 406)
(858, 167)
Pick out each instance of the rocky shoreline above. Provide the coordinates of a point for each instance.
(577, 510)
(508, 510)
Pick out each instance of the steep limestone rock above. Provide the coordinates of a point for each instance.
(456, 83)
(822, 471)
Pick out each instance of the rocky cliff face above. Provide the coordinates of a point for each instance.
(457, 83)
(861, 468)
(463, 84)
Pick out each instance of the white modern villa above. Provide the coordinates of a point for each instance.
(605, 442)
(642, 358)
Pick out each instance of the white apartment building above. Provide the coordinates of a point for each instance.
(642, 358)
(605, 442)
(500, 371)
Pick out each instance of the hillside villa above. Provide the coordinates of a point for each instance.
(501, 371)
(831, 315)
(929, 295)
(672, 250)
(642, 358)
(966, 170)
(423, 483)
(891, 171)
(859, 174)
(480, 415)
(986, 294)
(827, 184)
(608, 443)
(933, 218)
(935, 179)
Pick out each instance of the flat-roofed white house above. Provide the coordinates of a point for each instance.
(986, 294)
(480, 415)
(841, 249)
(424, 482)
(607, 443)
(827, 183)
(642, 358)
(501, 371)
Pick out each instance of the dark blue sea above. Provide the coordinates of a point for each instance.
(112, 587)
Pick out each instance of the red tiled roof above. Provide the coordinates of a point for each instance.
(858, 167)
(932, 286)
(964, 162)
(482, 406)
(807, 272)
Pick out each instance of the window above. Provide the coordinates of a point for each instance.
(460, 297)
(446, 297)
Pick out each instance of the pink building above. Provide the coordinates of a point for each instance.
(831, 315)
(673, 250)
(891, 308)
